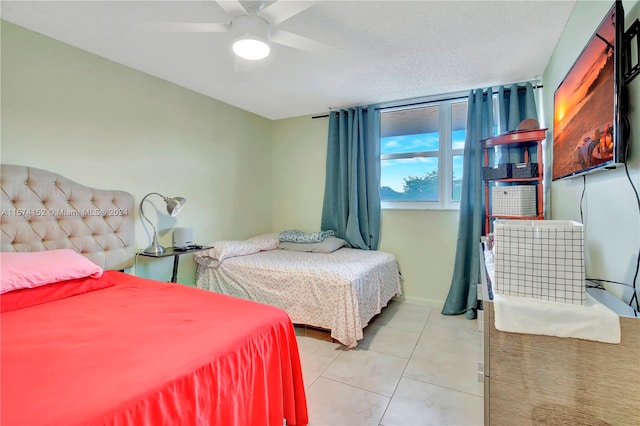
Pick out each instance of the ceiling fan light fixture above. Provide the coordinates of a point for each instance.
(251, 48)
(250, 37)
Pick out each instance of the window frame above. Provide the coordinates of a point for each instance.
(444, 154)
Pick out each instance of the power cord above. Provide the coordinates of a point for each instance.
(635, 190)
(600, 280)
(597, 282)
(584, 188)
(135, 262)
(599, 286)
(634, 296)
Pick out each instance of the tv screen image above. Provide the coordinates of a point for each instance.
(586, 122)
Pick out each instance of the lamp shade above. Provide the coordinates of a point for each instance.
(174, 205)
(251, 48)
(250, 37)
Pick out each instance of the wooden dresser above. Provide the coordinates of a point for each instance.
(543, 380)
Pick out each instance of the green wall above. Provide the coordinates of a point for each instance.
(108, 126)
(611, 217)
(423, 241)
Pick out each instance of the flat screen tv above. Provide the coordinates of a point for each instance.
(588, 116)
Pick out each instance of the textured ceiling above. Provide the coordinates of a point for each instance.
(384, 50)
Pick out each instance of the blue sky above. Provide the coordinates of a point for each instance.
(395, 171)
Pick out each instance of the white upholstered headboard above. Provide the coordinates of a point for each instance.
(42, 210)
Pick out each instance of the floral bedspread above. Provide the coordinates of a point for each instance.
(340, 291)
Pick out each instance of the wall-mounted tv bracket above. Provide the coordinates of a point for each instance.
(631, 61)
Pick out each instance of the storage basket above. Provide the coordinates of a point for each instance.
(517, 200)
(540, 259)
(524, 170)
(499, 171)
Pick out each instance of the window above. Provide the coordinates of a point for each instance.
(422, 154)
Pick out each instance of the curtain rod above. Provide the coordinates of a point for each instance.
(537, 86)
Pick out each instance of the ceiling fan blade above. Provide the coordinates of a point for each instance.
(233, 8)
(184, 27)
(297, 41)
(282, 10)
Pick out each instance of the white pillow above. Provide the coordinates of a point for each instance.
(265, 241)
(223, 250)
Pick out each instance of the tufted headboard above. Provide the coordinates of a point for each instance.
(42, 210)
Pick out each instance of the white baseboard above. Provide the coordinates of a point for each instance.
(420, 301)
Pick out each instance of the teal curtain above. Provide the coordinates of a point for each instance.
(515, 103)
(352, 187)
(480, 125)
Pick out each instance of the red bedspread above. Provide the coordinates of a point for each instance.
(149, 353)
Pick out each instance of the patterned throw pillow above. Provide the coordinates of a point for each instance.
(328, 245)
(295, 236)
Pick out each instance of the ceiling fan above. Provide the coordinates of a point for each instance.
(254, 28)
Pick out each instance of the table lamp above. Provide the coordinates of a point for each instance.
(174, 205)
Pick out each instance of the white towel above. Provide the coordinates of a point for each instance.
(591, 321)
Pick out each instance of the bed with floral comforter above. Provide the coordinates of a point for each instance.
(340, 291)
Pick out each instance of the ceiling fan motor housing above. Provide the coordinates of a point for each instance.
(250, 26)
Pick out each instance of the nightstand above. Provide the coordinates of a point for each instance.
(176, 253)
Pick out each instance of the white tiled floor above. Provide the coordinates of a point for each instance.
(413, 367)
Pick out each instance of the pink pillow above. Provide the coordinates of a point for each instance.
(35, 269)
